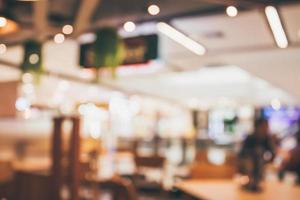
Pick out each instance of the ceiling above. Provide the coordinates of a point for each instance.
(44, 18)
(242, 59)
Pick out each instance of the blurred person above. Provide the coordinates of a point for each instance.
(257, 149)
(292, 161)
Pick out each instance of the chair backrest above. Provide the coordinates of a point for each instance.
(121, 189)
(6, 171)
(149, 161)
(31, 186)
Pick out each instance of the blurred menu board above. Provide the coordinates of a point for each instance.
(8, 96)
(138, 50)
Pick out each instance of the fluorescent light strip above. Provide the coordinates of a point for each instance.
(180, 38)
(276, 26)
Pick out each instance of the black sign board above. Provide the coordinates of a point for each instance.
(138, 50)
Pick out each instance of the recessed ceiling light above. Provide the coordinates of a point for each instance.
(2, 48)
(59, 38)
(153, 9)
(231, 11)
(181, 38)
(3, 22)
(275, 103)
(27, 78)
(276, 26)
(129, 26)
(34, 58)
(67, 29)
(22, 104)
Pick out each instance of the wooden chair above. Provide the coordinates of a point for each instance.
(31, 186)
(121, 189)
(144, 163)
(156, 162)
(6, 179)
(6, 171)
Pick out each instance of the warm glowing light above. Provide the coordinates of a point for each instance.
(27, 78)
(180, 38)
(2, 48)
(59, 38)
(7, 26)
(34, 58)
(67, 29)
(92, 119)
(28, 89)
(3, 22)
(231, 11)
(275, 103)
(276, 26)
(129, 26)
(153, 9)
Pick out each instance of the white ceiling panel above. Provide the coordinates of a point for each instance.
(217, 32)
(291, 19)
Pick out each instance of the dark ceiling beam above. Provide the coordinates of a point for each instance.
(118, 22)
(85, 13)
(40, 17)
(243, 3)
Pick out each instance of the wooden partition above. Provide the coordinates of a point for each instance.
(73, 171)
(8, 96)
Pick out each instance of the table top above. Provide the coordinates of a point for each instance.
(228, 189)
(32, 164)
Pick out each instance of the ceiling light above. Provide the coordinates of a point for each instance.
(27, 78)
(22, 104)
(2, 48)
(276, 26)
(275, 104)
(180, 38)
(129, 26)
(3, 22)
(59, 38)
(67, 29)
(153, 9)
(34, 58)
(216, 156)
(87, 38)
(7, 26)
(231, 11)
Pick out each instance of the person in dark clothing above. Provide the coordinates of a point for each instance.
(257, 149)
(292, 162)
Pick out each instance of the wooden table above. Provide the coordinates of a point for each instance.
(230, 190)
(32, 165)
